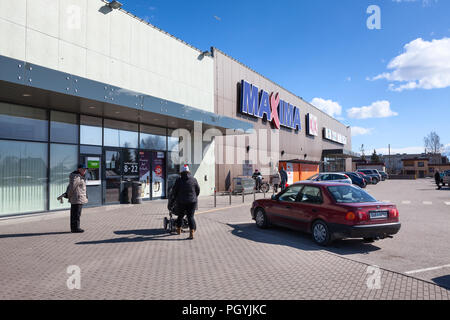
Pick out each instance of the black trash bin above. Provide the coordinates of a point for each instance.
(136, 193)
(124, 196)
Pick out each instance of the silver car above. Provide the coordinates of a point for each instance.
(331, 176)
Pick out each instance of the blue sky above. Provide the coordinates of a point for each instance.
(392, 85)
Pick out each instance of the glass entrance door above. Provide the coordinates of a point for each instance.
(121, 169)
(111, 186)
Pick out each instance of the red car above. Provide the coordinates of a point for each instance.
(329, 211)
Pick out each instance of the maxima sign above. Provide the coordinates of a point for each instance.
(334, 136)
(258, 104)
(312, 127)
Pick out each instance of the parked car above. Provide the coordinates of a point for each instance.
(384, 175)
(446, 178)
(331, 176)
(329, 211)
(367, 179)
(356, 179)
(375, 177)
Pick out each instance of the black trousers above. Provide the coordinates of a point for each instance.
(189, 211)
(75, 214)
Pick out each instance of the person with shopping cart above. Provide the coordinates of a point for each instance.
(185, 193)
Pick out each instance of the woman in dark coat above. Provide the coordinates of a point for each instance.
(437, 178)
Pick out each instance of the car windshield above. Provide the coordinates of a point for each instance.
(349, 194)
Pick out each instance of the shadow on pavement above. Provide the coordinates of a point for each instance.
(299, 240)
(443, 281)
(136, 236)
(20, 235)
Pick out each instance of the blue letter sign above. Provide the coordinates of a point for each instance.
(249, 98)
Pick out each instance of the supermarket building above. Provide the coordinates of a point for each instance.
(83, 82)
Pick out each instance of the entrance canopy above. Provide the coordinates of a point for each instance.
(28, 84)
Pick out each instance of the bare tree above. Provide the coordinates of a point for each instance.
(433, 143)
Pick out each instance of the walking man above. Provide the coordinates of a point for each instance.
(76, 192)
(284, 178)
(185, 192)
(437, 178)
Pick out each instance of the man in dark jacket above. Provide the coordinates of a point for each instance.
(284, 178)
(185, 192)
(76, 192)
(437, 178)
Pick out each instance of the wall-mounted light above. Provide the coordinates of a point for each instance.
(282, 153)
(305, 155)
(115, 4)
(248, 148)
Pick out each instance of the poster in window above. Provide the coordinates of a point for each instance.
(158, 175)
(144, 173)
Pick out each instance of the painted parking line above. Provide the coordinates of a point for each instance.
(447, 203)
(428, 269)
(427, 203)
(406, 202)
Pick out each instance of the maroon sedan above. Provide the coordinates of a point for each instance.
(329, 211)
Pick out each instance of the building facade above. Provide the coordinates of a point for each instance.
(287, 131)
(81, 82)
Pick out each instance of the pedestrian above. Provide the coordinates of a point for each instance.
(284, 178)
(276, 179)
(76, 193)
(185, 193)
(257, 176)
(437, 178)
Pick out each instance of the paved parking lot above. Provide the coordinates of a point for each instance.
(421, 248)
(125, 254)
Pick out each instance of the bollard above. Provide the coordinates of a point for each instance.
(254, 195)
(264, 193)
(230, 196)
(243, 195)
(215, 198)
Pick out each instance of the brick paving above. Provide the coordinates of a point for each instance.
(125, 254)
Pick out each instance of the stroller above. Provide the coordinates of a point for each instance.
(171, 222)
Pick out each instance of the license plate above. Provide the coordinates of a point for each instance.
(378, 214)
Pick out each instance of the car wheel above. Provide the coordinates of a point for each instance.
(166, 223)
(321, 233)
(261, 219)
(375, 181)
(369, 240)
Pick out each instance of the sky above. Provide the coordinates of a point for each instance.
(379, 66)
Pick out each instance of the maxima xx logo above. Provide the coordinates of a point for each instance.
(258, 103)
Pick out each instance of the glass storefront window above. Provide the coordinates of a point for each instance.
(63, 127)
(63, 161)
(173, 141)
(23, 123)
(121, 134)
(23, 177)
(91, 132)
(153, 138)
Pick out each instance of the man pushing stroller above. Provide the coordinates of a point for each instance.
(185, 193)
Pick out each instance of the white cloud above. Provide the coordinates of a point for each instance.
(358, 131)
(328, 106)
(378, 109)
(423, 65)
